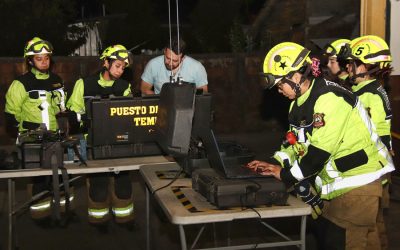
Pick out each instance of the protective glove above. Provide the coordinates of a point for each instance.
(307, 193)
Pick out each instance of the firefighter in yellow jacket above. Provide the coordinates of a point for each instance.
(337, 71)
(334, 146)
(32, 101)
(368, 64)
(107, 195)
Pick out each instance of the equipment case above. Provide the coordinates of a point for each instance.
(122, 126)
(223, 192)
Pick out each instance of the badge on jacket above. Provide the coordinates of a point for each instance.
(318, 120)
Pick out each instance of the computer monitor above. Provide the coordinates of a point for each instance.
(175, 117)
(184, 124)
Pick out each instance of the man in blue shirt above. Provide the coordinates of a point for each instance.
(172, 65)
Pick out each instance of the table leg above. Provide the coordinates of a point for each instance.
(303, 232)
(183, 237)
(229, 233)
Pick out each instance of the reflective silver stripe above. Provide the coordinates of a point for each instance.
(62, 99)
(45, 108)
(301, 135)
(122, 212)
(333, 173)
(385, 153)
(41, 206)
(296, 171)
(78, 117)
(382, 149)
(283, 156)
(353, 181)
(62, 200)
(98, 213)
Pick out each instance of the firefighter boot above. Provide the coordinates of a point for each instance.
(41, 208)
(122, 198)
(98, 199)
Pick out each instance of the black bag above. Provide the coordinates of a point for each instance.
(223, 192)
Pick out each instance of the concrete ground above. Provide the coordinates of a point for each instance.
(78, 234)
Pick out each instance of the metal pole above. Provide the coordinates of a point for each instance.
(10, 212)
(147, 219)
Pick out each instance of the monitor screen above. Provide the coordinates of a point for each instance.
(175, 117)
(185, 135)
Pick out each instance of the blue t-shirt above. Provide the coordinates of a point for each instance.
(191, 71)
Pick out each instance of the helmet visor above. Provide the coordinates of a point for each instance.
(38, 47)
(270, 81)
(123, 55)
(329, 50)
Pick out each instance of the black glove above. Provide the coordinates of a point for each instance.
(11, 125)
(307, 193)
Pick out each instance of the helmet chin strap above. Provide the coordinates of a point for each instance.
(352, 79)
(296, 86)
(112, 77)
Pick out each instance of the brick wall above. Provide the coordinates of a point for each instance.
(240, 103)
(234, 81)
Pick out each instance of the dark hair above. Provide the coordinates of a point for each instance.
(380, 74)
(177, 46)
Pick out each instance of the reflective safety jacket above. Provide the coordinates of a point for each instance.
(375, 99)
(95, 85)
(336, 141)
(34, 99)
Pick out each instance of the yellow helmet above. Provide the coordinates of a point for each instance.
(282, 60)
(37, 46)
(371, 49)
(117, 52)
(334, 47)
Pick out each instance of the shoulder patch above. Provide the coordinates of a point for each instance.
(318, 120)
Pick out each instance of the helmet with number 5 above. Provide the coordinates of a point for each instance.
(371, 49)
(282, 60)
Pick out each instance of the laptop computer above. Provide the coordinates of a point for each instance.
(230, 166)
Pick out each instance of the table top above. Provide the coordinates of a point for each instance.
(93, 166)
(183, 205)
